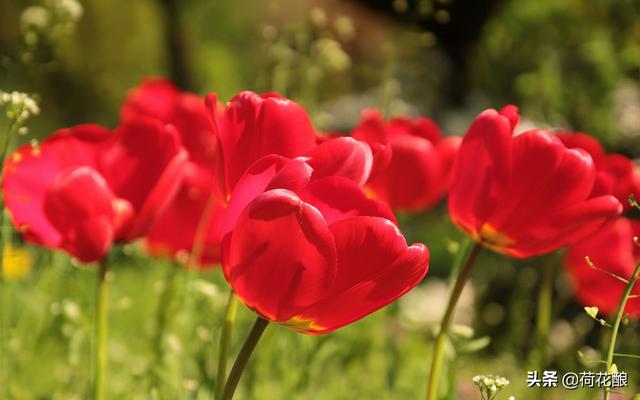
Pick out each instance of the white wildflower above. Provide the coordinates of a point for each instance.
(19, 106)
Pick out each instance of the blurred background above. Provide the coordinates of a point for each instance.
(568, 64)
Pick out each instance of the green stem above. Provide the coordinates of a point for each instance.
(438, 349)
(161, 320)
(543, 316)
(101, 330)
(243, 358)
(5, 232)
(626, 355)
(225, 341)
(616, 324)
(463, 250)
(3, 315)
(197, 250)
(7, 142)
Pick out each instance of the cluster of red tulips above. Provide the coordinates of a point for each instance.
(302, 222)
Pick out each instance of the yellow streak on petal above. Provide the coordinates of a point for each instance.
(493, 239)
(491, 235)
(302, 325)
(370, 193)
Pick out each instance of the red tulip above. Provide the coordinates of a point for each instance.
(261, 125)
(175, 230)
(610, 249)
(344, 158)
(413, 160)
(524, 195)
(617, 174)
(160, 99)
(311, 251)
(253, 126)
(85, 188)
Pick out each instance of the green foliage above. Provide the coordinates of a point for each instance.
(562, 60)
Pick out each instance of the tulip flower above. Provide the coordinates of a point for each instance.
(524, 195)
(253, 126)
(309, 250)
(222, 144)
(175, 230)
(348, 250)
(413, 160)
(160, 99)
(617, 174)
(85, 188)
(255, 133)
(612, 252)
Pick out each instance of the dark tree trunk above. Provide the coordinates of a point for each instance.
(177, 53)
(457, 38)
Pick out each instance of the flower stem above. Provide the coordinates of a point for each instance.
(543, 315)
(5, 239)
(225, 341)
(438, 349)
(188, 304)
(4, 331)
(161, 320)
(101, 330)
(616, 324)
(243, 357)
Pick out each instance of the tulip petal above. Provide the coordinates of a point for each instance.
(420, 127)
(625, 176)
(481, 170)
(31, 169)
(375, 267)
(371, 128)
(342, 157)
(155, 97)
(611, 249)
(281, 256)
(412, 175)
(546, 176)
(254, 126)
(143, 164)
(511, 113)
(338, 198)
(79, 205)
(566, 226)
(270, 172)
(585, 142)
(159, 98)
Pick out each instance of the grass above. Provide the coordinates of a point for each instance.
(49, 317)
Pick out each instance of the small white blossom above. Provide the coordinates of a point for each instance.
(35, 18)
(53, 18)
(19, 106)
(490, 385)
